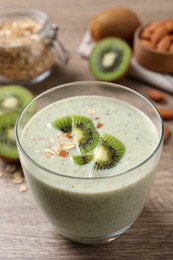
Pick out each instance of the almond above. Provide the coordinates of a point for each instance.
(159, 33)
(169, 24)
(171, 48)
(166, 114)
(164, 43)
(156, 95)
(145, 34)
(152, 26)
(147, 43)
(167, 133)
(63, 153)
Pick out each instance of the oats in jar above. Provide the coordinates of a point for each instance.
(24, 53)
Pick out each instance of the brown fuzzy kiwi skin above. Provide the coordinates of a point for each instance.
(117, 21)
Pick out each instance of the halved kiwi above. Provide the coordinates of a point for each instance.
(110, 59)
(82, 159)
(14, 98)
(8, 149)
(85, 133)
(109, 151)
(63, 123)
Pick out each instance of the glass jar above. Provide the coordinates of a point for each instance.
(29, 46)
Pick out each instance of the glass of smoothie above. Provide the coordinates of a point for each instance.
(90, 154)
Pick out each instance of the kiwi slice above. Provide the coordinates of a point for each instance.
(14, 98)
(85, 133)
(110, 59)
(63, 123)
(8, 149)
(82, 159)
(109, 151)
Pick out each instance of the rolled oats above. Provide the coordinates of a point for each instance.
(23, 187)
(24, 54)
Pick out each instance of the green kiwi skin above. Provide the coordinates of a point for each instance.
(77, 159)
(104, 76)
(11, 118)
(63, 121)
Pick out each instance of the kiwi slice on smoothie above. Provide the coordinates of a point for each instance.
(63, 123)
(14, 98)
(82, 159)
(8, 149)
(110, 59)
(108, 153)
(85, 133)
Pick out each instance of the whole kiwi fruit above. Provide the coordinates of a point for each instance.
(116, 21)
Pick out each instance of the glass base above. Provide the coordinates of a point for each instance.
(96, 240)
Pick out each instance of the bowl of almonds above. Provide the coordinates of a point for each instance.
(153, 46)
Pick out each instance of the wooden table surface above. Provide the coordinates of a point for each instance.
(24, 232)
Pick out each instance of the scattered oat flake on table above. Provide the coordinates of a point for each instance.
(99, 125)
(10, 168)
(17, 174)
(18, 180)
(23, 187)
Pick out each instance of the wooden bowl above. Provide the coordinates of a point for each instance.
(158, 61)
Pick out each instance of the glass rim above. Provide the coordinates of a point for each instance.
(83, 83)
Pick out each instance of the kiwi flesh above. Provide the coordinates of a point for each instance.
(8, 149)
(82, 159)
(110, 59)
(14, 98)
(85, 133)
(108, 153)
(63, 123)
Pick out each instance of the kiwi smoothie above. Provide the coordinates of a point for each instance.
(86, 203)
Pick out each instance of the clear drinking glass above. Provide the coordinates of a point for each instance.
(90, 210)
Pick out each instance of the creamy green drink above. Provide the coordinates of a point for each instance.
(86, 203)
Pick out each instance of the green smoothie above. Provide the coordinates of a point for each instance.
(86, 204)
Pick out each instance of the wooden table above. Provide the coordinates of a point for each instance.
(24, 232)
